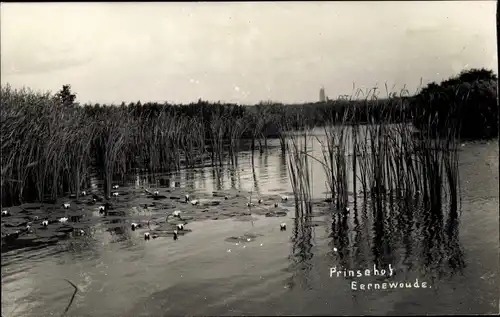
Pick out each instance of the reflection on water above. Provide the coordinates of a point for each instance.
(281, 272)
(301, 253)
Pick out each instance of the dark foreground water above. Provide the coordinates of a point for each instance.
(275, 272)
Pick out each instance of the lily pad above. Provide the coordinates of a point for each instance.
(212, 203)
(246, 218)
(14, 222)
(219, 194)
(65, 229)
(158, 197)
(276, 214)
(28, 237)
(247, 237)
(46, 240)
(61, 234)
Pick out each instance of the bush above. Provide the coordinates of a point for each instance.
(467, 101)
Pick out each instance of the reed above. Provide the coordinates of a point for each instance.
(387, 159)
(193, 142)
(283, 124)
(217, 130)
(50, 148)
(235, 131)
(299, 171)
(114, 135)
(258, 124)
(47, 147)
(80, 136)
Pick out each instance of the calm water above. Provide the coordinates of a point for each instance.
(280, 273)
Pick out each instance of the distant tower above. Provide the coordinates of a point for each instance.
(322, 96)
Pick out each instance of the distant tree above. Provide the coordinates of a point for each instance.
(468, 100)
(477, 74)
(65, 96)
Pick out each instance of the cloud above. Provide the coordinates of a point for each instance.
(33, 66)
(282, 51)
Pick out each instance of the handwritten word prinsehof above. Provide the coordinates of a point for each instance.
(375, 272)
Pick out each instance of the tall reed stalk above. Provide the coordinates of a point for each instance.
(300, 172)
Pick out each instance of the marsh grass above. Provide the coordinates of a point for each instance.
(386, 158)
(50, 149)
(114, 136)
(45, 147)
(299, 171)
(217, 130)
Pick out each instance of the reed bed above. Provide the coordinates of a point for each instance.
(406, 181)
(50, 148)
(334, 161)
(386, 158)
(114, 135)
(45, 146)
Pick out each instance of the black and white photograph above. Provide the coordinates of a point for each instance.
(289, 158)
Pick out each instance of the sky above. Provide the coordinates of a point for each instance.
(242, 52)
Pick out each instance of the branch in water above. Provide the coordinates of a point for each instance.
(72, 297)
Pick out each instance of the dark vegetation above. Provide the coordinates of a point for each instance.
(50, 144)
(468, 100)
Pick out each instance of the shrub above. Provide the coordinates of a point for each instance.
(468, 100)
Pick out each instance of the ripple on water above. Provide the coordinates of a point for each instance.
(196, 275)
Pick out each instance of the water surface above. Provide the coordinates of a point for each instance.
(277, 272)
